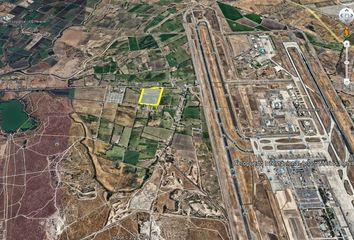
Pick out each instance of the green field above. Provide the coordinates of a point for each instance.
(156, 133)
(147, 149)
(177, 57)
(91, 122)
(230, 12)
(236, 27)
(87, 118)
(157, 20)
(118, 130)
(172, 9)
(164, 37)
(121, 46)
(105, 130)
(320, 43)
(141, 121)
(254, 17)
(191, 112)
(166, 2)
(140, 8)
(91, 3)
(171, 111)
(155, 76)
(150, 76)
(177, 43)
(134, 138)
(14, 117)
(262, 28)
(167, 121)
(133, 44)
(166, 98)
(124, 139)
(107, 68)
(233, 14)
(146, 42)
(171, 25)
(185, 72)
(131, 157)
(116, 153)
(139, 147)
(156, 55)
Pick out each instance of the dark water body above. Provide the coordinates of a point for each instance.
(13, 116)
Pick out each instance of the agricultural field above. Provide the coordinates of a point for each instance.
(25, 50)
(105, 113)
(240, 21)
(158, 56)
(104, 158)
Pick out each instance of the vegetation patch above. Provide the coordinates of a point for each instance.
(166, 2)
(191, 112)
(164, 37)
(140, 8)
(107, 68)
(105, 130)
(88, 118)
(177, 57)
(115, 154)
(156, 133)
(151, 77)
(320, 43)
(172, 9)
(171, 25)
(185, 72)
(254, 17)
(146, 42)
(124, 140)
(133, 44)
(147, 149)
(134, 138)
(230, 12)
(177, 43)
(237, 27)
(131, 157)
(123, 47)
(157, 20)
(170, 111)
(233, 14)
(262, 28)
(120, 46)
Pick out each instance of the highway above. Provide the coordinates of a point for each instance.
(204, 41)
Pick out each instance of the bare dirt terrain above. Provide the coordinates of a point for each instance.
(74, 36)
(99, 165)
(30, 163)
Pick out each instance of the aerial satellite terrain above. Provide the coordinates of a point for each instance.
(176, 120)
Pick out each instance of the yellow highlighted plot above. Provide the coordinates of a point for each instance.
(151, 96)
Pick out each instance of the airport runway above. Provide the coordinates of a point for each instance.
(338, 115)
(213, 77)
